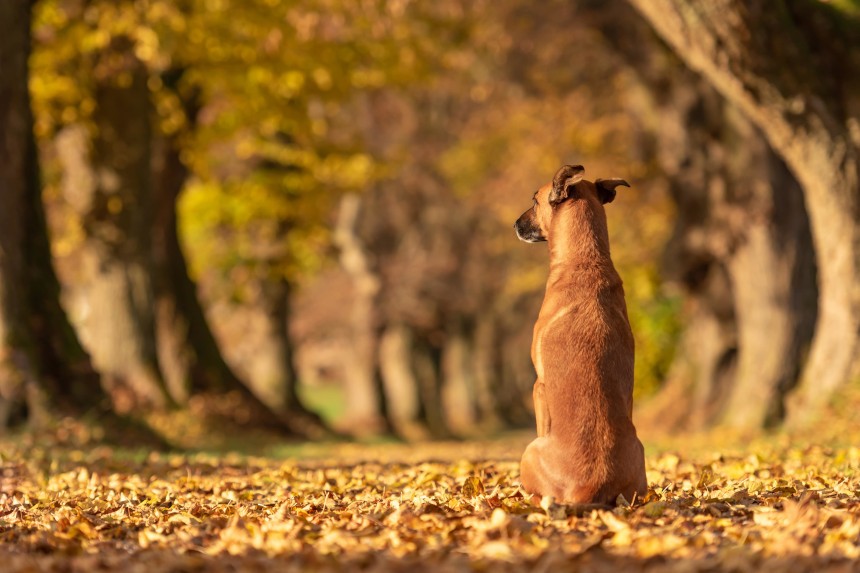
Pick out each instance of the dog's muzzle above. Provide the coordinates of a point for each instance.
(528, 233)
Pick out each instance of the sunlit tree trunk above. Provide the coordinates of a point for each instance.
(363, 384)
(773, 278)
(43, 369)
(399, 382)
(188, 352)
(116, 208)
(787, 67)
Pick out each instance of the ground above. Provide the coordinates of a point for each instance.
(768, 505)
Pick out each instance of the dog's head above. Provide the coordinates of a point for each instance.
(534, 225)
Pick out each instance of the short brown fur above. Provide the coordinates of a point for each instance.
(587, 450)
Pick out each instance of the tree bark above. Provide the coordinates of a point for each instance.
(427, 365)
(400, 383)
(280, 379)
(459, 396)
(178, 315)
(16, 188)
(742, 251)
(773, 278)
(188, 353)
(364, 387)
(764, 58)
(485, 356)
(111, 189)
(43, 368)
(412, 375)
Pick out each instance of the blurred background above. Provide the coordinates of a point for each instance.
(297, 215)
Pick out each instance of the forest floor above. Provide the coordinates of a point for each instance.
(763, 505)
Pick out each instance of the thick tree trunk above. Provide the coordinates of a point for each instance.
(766, 61)
(188, 353)
(43, 369)
(112, 192)
(15, 189)
(773, 278)
(703, 370)
(742, 252)
(185, 370)
(412, 371)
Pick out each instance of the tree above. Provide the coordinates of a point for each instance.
(43, 369)
(742, 253)
(279, 147)
(123, 177)
(189, 355)
(740, 249)
(791, 68)
(118, 221)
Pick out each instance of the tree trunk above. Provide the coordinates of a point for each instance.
(177, 310)
(767, 61)
(458, 387)
(703, 370)
(485, 356)
(513, 372)
(278, 385)
(427, 365)
(363, 384)
(399, 382)
(112, 192)
(43, 369)
(412, 370)
(742, 252)
(16, 187)
(192, 363)
(773, 278)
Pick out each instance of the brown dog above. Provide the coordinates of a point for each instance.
(587, 450)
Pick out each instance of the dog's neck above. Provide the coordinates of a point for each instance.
(578, 237)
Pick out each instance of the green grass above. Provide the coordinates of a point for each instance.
(327, 400)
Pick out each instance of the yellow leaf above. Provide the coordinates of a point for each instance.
(472, 487)
(705, 478)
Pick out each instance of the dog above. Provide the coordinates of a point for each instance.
(587, 450)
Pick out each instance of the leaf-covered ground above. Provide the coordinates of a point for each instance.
(447, 507)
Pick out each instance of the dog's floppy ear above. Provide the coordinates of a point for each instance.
(566, 177)
(606, 188)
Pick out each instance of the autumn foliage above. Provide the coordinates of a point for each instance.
(445, 507)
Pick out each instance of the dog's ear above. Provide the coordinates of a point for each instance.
(606, 188)
(565, 178)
